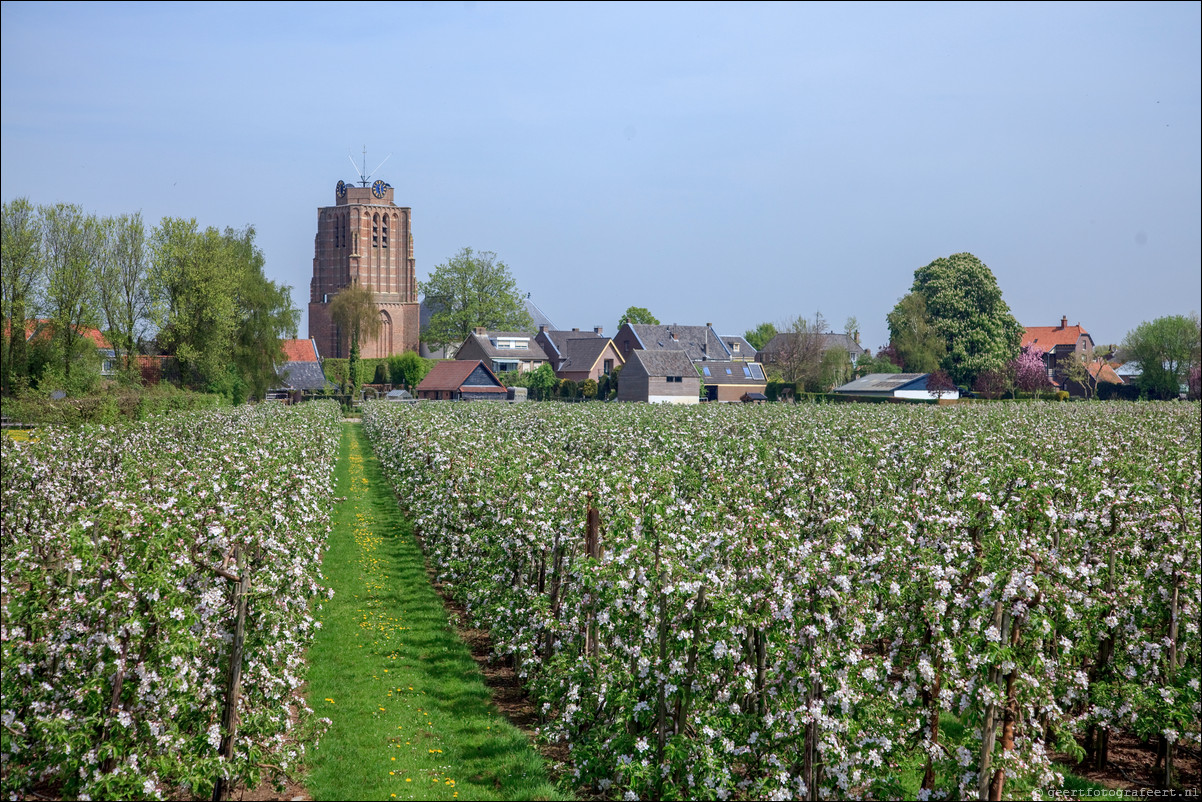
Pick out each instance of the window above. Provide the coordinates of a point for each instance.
(734, 347)
(747, 371)
(706, 370)
(608, 366)
(676, 379)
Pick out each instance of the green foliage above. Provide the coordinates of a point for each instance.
(356, 315)
(964, 305)
(472, 289)
(215, 308)
(125, 404)
(637, 315)
(121, 270)
(588, 388)
(21, 269)
(352, 367)
(760, 335)
(408, 369)
(867, 363)
(913, 336)
(71, 240)
(1165, 349)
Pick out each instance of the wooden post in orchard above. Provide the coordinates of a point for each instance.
(592, 548)
(229, 720)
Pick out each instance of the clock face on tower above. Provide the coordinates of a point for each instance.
(378, 188)
(341, 189)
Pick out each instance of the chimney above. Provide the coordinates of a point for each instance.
(481, 330)
(855, 335)
(1064, 321)
(709, 325)
(575, 328)
(597, 330)
(542, 328)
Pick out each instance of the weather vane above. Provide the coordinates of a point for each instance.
(364, 176)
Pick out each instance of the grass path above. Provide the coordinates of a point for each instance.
(411, 715)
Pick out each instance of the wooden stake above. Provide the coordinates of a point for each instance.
(229, 720)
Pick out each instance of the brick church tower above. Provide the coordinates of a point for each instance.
(365, 238)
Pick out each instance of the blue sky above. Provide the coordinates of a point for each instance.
(715, 163)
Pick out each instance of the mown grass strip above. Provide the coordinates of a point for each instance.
(411, 716)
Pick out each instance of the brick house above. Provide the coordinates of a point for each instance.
(502, 351)
(730, 381)
(461, 380)
(1059, 344)
(667, 377)
(579, 355)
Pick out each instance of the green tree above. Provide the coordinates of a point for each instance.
(867, 363)
(408, 369)
(1165, 350)
(964, 305)
(216, 311)
(472, 289)
(760, 335)
(357, 317)
(637, 315)
(121, 282)
(914, 338)
(21, 272)
(588, 388)
(193, 299)
(72, 240)
(267, 317)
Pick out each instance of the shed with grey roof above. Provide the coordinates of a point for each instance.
(907, 386)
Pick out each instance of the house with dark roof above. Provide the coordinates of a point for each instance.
(777, 349)
(699, 343)
(302, 366)
(502, 351)
(661, 376)
(579, 355)
(739, 349)
(730, 381)
(461, 380)
(902, 386)
(1059, 345)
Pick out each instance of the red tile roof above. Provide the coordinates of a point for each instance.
(451, 375)
(300, 351)
(1104, 372)
(1048, 337)
(45, 328)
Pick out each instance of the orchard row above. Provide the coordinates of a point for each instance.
(823, 601)
(123, 552)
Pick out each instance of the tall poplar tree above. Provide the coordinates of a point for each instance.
(21, 273)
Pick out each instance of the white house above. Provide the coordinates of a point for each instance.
(908, 386)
